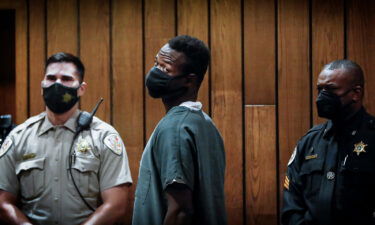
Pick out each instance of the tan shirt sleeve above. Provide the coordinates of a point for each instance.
(8, 177)
(114, 168)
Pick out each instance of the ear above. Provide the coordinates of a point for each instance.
(82, 89)
(192, 79)
(358, 93)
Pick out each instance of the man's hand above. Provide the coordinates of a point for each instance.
(180, 205)
(9, 213)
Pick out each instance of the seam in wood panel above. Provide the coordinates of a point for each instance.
(243, 116)
(310, 64)
(143, 71)
(28, 55)
(346, 28)
(46, 29)
(210, 69)
(175, 17)
(110, 63)
(78, 3)
(278, 196)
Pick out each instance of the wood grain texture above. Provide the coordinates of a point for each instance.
(226, 94)
(327, 40)
(259, 51)
(128, 84)
(294, 77)
(62, 31)
(7, 59)
(260, 147)
(21, 61)
(193, 21)
(37, 49)
(94, 51)
(361, 44)
(159, 28)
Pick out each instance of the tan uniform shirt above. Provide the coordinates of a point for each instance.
(34, 166)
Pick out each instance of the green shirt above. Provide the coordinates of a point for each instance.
(186, 148)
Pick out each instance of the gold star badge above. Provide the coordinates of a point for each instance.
(67, 97)
(83, 146)
(359, 148)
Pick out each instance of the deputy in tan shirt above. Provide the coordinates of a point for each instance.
(35, 184)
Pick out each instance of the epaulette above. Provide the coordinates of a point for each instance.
(371, 124)
(30, 121)
(318, 127)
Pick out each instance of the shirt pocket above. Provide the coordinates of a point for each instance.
(85, 173)
(32, 177)
(311, 176)
(143, 186)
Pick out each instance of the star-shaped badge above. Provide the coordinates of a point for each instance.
(67, 97)
(359, 147)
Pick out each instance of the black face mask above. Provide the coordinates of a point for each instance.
(59, 98)
(329, 105)
(159, 85)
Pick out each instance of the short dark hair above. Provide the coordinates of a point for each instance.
(61, 57)
(352, 67)
(196, 52)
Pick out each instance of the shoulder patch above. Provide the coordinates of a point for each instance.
(114, 143)
(293, 156)
(6, 146)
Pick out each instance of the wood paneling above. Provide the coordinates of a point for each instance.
(361, 43)
(94, 51)
(193, 20)
(327, 40)
(62, 26)
(127, 94)
(260, 147)
(21, 79)
(226, 93)
(7, 59)
(159, 28)
(118, 40)
(259, 51)
(37, 49)
(293, 77)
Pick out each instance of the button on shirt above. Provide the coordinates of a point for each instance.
(36, 168)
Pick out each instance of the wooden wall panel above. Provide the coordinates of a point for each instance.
(226, 94)
(159, 28)
(21, 79)
(128, 83)
(260, 147)
(293, 77)
(94, 51)
(259, 51)
(327, 40)
(7, 59)
(62, 26)
(193, 20)
(361, 43)
(37, 49)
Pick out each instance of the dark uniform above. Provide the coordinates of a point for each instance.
(331, 176)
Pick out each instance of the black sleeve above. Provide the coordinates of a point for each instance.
(294, 210)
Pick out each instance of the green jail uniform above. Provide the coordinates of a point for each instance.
(34, 166)
(185, 148)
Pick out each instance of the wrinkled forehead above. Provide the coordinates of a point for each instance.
(61, 68)
(167, 54)
(337, 76)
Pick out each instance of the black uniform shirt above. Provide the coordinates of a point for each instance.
(331, 180)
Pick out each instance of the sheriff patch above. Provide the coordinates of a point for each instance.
(114, 143)
(6, 146)
(293, 156)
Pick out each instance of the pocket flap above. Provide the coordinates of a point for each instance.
(310, 166)
(86, 164)
(30, 164)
